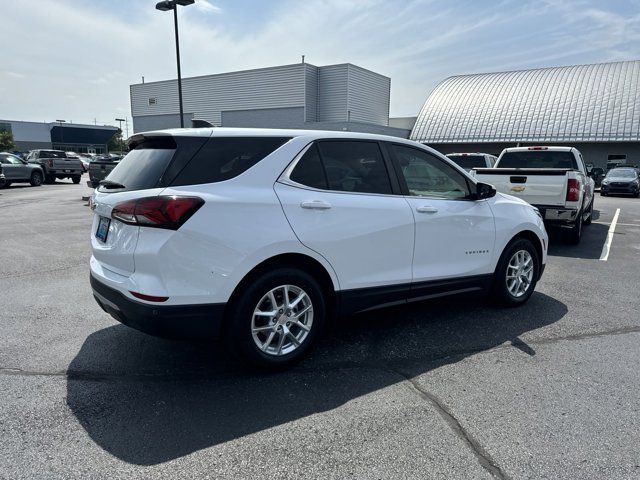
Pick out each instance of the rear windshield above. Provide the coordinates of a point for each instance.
(538, 159)
(143, 166)
(51, 154)
(225, 158)
(469, 161)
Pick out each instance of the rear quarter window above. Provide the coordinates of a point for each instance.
(223, 158)
(143, 166)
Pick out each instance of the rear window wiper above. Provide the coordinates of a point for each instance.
(110, 184)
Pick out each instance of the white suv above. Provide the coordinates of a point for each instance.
(262, 235)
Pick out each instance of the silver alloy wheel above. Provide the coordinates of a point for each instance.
(282, 320)
(519, 273)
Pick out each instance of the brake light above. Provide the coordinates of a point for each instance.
(159, 212)
(573, 190)
(149, 298)
(538, 148)
(50, 162)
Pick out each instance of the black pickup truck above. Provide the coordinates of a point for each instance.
(100, 167)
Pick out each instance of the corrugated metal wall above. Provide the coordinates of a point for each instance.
(368, 96)
(334, 93)
(206, 97)
(311, 93)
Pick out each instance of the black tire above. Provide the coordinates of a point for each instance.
(75, 179)
(5, 184)
(49, 179)
(602, 194)
(36, 179)
(241, 316)
(636, 195)
(500, 290)
(590, 217)
(574, 235)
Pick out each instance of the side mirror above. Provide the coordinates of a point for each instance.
(484, 190)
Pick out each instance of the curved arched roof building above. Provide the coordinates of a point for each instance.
(594, 107)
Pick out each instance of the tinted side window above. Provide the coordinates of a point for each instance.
(353, 166)
(309, 170)
(429, 176)
(225, 158)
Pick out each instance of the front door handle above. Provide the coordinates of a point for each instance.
(426, 209)
(316, 205)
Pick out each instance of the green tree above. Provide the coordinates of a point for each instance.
(116, 143)
(6, 141)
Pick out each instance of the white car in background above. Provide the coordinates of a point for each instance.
(469, 161)
(262, 235)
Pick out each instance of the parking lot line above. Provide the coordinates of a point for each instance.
(604, 256)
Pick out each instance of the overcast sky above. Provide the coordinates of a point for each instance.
(75, 59)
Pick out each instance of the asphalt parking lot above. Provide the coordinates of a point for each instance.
(449, 389)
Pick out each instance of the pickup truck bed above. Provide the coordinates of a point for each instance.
(564, 196)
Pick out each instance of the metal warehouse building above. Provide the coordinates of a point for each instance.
(60, 136)
(595, 108)
(333, 97)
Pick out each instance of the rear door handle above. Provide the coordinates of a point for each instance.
(316, 205)
(426, 209)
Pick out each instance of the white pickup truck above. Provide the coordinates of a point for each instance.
(553, 179)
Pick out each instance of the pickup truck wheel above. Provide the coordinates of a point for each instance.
(575, 233)
(590, 217)
(49, 179)
(517, 273)
(75, 179)
(36, 179)
(277, 319)
(5, 184)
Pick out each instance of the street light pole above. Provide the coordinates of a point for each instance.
(175, 22)
(164, 7)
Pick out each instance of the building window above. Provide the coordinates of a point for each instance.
(153, 101)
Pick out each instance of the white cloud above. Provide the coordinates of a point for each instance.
(206, 6)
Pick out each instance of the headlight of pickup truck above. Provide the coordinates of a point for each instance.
(605, 182)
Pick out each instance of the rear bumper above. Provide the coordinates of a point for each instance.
(62, 172)
(171, 321)
(558, 216)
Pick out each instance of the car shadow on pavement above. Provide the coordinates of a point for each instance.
(147, 400)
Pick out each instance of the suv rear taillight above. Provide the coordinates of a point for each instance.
(159, 212)
(573, 190)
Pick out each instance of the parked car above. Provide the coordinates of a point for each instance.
(56, 164)
(84, 161)
(263, 235)
(553, 179)
(17, 170)
(2, 179)
(469, 161)
(101, 166)
(623, 180)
